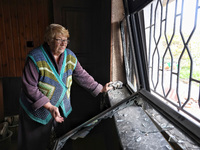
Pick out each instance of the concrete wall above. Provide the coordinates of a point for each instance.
(117, 62)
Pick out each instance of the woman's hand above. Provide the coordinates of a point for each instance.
(106, 87)
(54, 112)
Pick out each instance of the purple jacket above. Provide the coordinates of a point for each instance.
(30, 80)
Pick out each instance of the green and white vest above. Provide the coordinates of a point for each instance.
(55, 86)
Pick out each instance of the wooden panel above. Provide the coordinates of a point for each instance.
(35, 18)
(15, 38)
(79, 22)
(7, 23)
(21, 24)
(21, 21)
(41, 23)
(27, 36)
(1, 38)
(3, 47)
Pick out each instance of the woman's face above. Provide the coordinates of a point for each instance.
(58, 44)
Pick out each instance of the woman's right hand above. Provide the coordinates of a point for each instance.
(54, 112)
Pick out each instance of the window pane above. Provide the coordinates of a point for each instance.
(172, 31)
(130, 65)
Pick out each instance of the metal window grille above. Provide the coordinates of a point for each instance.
(172, 29)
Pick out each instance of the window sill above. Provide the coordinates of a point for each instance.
(145, 129)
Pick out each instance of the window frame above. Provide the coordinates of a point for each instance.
(129, 59)
(135, 23)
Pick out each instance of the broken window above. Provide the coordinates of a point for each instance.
(163, 41)
(129, 57)
(172, 38)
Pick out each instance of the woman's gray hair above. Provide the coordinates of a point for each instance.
(55, 29)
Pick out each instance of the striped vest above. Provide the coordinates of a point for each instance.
(55, 86)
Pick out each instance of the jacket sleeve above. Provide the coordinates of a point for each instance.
(30, 85)
(84, 79)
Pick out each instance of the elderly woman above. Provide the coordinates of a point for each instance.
(46, 83)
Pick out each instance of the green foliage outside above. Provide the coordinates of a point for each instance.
(177, 47)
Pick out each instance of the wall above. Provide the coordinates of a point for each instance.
(21, 21)
(117, 62)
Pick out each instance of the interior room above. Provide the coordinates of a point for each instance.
(145, 51)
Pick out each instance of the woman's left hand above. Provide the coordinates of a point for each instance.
(106, 87)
